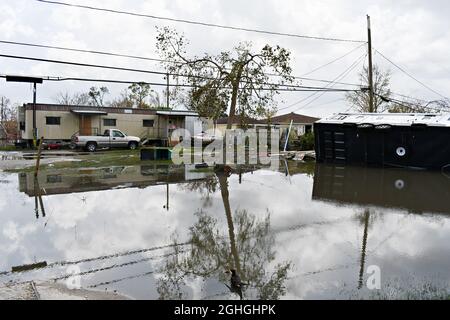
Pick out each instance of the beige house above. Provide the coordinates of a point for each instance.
(60, 122)
(301, 124)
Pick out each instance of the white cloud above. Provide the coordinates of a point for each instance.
(413, 33)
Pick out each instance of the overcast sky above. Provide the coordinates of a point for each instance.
(414, 34)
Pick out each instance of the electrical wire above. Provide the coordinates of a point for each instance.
(343, 75)
(115, 54)
(80, 64)
(204, 24)
(410, 75)
(334, 60)
(340, 76)
(44, 46)
(157, 84)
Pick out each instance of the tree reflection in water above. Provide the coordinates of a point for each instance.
(246, 247)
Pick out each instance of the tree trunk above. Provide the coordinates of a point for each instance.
(234, 95)
(223, 182)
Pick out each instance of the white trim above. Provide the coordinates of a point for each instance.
(399, 119)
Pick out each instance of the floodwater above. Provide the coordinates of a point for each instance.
(304, 231)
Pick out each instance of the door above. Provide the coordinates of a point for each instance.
(118, 139)
(85, 125)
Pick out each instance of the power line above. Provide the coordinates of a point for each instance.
(159, 84)
(344, 74)
(413, 106)
(104, 257)
(115, 54)
(410, 75)
(204, 24)
(340, 76)
(334, 60)
(36, 45)
(79, 64)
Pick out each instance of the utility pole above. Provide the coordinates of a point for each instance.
(34, 116)
(34, 81)
(167, 91)
(2, 111)
(369, 43)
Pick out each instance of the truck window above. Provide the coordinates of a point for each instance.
(118, 134)
(106, 133)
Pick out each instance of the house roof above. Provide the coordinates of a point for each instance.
(285, 118)
(297, 118)
(185, 113)
(80, 109)
(237, 119)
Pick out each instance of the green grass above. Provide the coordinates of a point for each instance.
(9, 148)
(97, 159)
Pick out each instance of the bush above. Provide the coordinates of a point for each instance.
(307, 141)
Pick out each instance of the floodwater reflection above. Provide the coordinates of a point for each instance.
(415, 191)
(157, 232)
(245, 253)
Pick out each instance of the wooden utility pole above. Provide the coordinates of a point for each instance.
(2, 111)
(167, 92)
(38, 158)
(369, 51)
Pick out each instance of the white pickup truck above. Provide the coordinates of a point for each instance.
(111, 138)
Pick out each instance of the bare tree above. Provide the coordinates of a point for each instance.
(97, 96)
(77, 99)
(381, 83)
(4, 106)
(8, 124)
(416, 106)
(123, 101)
(238, 78)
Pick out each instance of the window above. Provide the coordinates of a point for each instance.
(22, 126)
(117, 134)
(109, 122)
(54, 178)
(148, 123)
(53, 121)
(308, 128)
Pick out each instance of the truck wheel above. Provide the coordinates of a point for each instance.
(132, 145)
(91, 146)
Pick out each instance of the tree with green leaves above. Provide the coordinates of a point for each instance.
(139, 92)
(96, 96)
(381, 88)
(238, 79)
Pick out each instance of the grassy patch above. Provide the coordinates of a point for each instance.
(8, 148)
(97, 159)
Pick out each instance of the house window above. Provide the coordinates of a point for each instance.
(109, 122)
(53, 121)
(148, 122)
(54, 178)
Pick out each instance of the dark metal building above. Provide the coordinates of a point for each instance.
(386, 140)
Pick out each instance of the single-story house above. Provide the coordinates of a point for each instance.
(57, 122)
(301, 124)
(237, 122)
